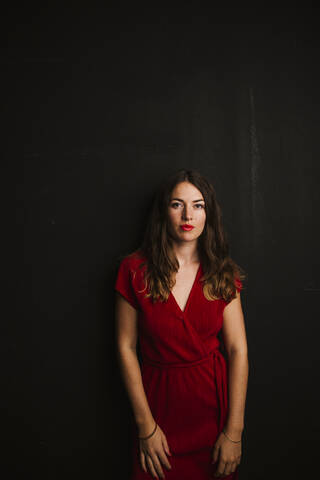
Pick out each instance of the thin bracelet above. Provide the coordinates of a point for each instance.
(144, 438)
(234, 441)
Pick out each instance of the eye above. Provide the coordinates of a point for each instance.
(175, 204)
(199, 205)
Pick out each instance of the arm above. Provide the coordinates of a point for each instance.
(126, 317)
(153, 449)
(234, 336)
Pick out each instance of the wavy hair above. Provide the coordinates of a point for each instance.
(220, 272)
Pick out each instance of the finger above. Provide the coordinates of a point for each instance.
(227, 469)
(234, 466)
(221, 467)
(164, 460)
(215, 454)
(157, 465)
(230, 468)
(143, 461)
(151, 467)
(166, 446)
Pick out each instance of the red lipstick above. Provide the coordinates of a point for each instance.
(187, 227)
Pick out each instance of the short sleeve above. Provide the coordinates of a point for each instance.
(124, 285)
(239, 285)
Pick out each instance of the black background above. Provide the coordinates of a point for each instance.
(100, 105)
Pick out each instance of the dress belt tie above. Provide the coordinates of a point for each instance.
(220, 370)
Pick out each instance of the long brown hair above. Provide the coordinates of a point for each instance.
(219, 270)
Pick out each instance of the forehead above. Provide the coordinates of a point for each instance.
(185, 191)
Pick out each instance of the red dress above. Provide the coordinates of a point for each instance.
(183, 371)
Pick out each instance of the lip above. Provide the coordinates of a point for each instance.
(187, 227)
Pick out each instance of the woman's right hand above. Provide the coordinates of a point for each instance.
(151, 450)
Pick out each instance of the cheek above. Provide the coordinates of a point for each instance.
(202, 218)
(172, 218)
(176, 215)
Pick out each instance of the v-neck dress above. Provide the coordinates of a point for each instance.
(184, 373)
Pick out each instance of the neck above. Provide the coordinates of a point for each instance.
(186, 253)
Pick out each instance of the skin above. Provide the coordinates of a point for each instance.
(186, 206)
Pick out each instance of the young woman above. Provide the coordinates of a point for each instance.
(174, 295)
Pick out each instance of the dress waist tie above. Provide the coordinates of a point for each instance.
(220, 374)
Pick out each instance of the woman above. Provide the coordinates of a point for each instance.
(174, 295)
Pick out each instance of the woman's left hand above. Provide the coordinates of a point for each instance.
(228, 454)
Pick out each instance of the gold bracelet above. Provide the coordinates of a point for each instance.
(234, 441)
(144, 438)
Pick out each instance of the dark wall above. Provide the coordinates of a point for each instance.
(100, 106)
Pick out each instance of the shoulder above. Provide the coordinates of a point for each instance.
(133, 265)
(238, 284)
(128, 280)
(133, 261)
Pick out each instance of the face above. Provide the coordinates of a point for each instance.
(186, 207)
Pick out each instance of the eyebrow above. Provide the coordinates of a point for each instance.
(180, 200)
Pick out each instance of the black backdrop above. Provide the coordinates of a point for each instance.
(100, 105)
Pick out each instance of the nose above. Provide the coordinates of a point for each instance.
(187, 213)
